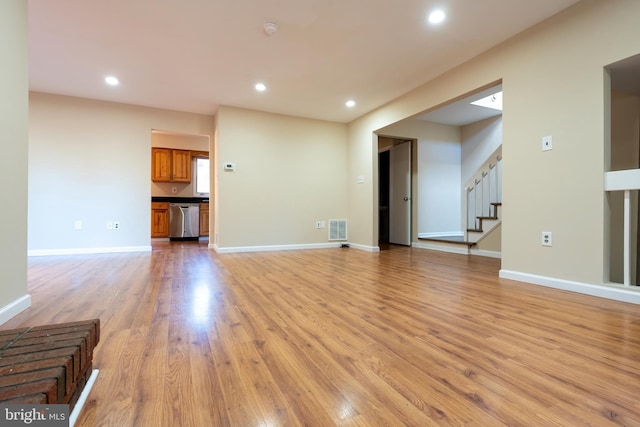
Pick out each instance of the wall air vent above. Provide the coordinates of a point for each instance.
(337, 229)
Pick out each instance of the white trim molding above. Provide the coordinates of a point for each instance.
(364, 247)
(453, 248)
(14, 308)
(614, 292)
(441, 234)
(85, 251)
(73, 417)
(273, 248)
(483, 252)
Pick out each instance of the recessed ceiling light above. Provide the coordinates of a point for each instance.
(260, 87)
(350, 103)
(437, 16)
(492, 101)
(270, 28)
(112, 81)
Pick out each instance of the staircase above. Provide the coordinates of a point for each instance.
(484, 199)
(483, 202)
(484, 224)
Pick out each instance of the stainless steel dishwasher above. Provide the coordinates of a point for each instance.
(184, 221)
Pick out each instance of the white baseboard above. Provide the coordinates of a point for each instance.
(73, 417)
(271, 248)
(441, 234)
(364, 247)
(14, 308)
(614, 292)
(482, 252)
(84, 251)
(442, 247)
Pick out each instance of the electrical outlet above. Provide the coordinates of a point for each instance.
(109, 225)
(317, 224)
(116, 225)
(547, 238)
(77, 225)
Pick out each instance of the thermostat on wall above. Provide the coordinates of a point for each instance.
(230, 166)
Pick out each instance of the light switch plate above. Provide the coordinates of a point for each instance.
(547, 143)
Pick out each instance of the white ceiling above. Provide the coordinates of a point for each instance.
(195, 55)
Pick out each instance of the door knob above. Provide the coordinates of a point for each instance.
(406, 199)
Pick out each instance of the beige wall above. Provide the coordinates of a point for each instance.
(13, 161)
(180, 141)
(492, 241)
(553, 83)
(91, 161)
(290, 173)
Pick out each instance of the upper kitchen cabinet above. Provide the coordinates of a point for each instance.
(170, 165)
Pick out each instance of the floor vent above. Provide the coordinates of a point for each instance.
(337, 229)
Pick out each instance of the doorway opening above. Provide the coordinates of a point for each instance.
(622, 230)
(180, 182)
(394, 191)
(454, 145)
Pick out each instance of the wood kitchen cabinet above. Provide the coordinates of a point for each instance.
(204, 219)
(159, 219)
(170, 165)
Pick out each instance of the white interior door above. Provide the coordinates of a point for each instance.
(400, 194)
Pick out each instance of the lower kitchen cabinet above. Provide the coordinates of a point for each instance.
(204, 219)
(160, 219)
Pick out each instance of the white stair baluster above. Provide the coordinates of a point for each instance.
(471, 207)
(499, 180)
(627, 238)
(486, 189)
(478, 211)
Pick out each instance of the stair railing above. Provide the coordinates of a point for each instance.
(484, 192)
(626, 181)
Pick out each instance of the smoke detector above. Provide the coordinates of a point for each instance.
(270, 28)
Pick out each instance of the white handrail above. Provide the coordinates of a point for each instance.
(622, 180)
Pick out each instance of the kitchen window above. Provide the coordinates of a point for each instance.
(201, 187)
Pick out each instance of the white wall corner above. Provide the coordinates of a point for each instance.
(613, 292)
(14, 308)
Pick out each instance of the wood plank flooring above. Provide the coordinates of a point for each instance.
(338, 337)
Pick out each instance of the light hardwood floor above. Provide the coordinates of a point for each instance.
(338, 337)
